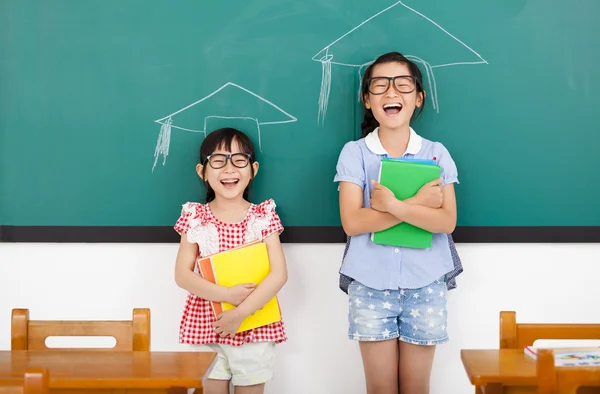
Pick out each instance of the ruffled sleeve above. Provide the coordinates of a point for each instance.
(267, 211)
(192, 214)
(263, 222)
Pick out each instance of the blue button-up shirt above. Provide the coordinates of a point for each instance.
(389, 267)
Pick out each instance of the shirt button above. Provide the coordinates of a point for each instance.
(396, 250)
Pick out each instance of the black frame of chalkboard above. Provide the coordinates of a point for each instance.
(333, 234)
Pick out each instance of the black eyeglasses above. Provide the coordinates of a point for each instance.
(219, 160)
(402, 84)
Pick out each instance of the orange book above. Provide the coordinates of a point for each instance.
(248, 263)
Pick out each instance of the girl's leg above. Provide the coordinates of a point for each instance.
(380, 361)
(373, 322)
(256, 389)
(217, 380)
(215, 386)
(422, 327)
(415, 368)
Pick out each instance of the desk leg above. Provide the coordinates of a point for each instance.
(493, 388)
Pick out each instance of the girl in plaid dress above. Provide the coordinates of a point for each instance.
(227, 168)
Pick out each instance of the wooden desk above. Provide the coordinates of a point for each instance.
(504, 371)
(71, 371)
(500, 371)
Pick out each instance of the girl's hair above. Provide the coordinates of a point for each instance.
(369, 122)
(222, 139)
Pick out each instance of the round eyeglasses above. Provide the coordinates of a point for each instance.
(219, 160)
(402, 84)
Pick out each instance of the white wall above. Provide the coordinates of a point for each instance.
(105, 281)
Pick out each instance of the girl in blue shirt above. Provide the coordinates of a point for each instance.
(397, 295)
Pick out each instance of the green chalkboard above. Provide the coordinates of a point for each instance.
(104, 104)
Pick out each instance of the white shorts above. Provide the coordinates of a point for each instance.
(246, 365)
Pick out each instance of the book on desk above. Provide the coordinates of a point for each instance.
(569, 356)
(247, 263)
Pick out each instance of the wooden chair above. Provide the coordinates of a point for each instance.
(517, 336)
(565, 380)
(29, 334)
(35, 381)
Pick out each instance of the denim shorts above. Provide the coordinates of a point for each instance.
(416, 316)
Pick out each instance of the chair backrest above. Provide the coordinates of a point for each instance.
(29, 334)
(564, 380)
(517, 336)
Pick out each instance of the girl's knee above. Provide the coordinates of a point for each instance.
(414, 387)
(381, 387)
(216, 386)
(254, 389)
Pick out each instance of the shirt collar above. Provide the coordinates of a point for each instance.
(374, 143)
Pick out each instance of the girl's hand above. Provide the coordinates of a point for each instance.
(228, 322)
(235, 295)
(381, 197)
(430, 194)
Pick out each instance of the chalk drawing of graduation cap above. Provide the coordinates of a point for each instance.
(404, 27)
(228, 100)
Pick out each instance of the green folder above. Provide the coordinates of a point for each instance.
(404, 178)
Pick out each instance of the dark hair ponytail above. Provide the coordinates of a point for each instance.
(369, 122)
(210, 193)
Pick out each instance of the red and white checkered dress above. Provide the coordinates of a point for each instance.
(213, 236)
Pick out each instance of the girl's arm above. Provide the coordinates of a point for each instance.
(186, 278)
(273, 282)
(358, 220)
(435, 220)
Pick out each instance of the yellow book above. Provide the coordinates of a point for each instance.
(245, 264)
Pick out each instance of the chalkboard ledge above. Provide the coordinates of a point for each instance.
(334, 234)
